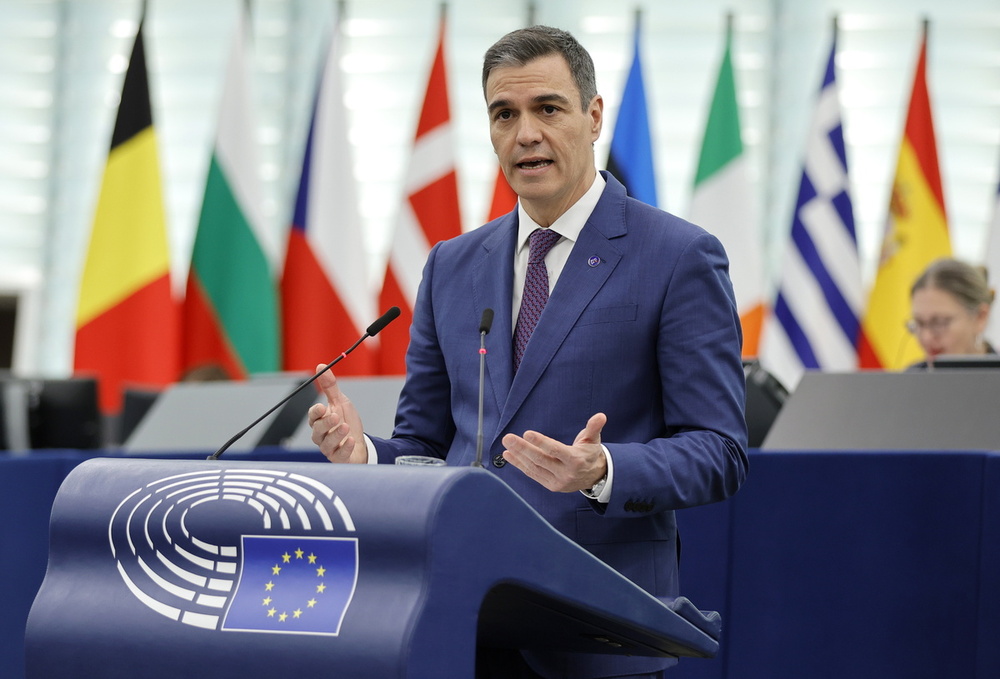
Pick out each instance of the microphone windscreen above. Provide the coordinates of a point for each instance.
(383, 320)
(487, 321)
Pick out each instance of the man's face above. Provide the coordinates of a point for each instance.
(543, 139)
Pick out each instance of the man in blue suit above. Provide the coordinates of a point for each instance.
(627, 402)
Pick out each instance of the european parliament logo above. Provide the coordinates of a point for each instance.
(238, 550)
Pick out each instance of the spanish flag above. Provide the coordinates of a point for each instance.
(916, 234)
(127, 318)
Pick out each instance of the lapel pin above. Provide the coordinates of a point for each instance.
(594, 260)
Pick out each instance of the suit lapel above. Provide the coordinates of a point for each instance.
(492, 289)
(593, 259)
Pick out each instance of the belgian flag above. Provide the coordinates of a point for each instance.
(127, 318)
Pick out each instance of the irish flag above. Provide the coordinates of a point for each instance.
(126, 321)
(915, 235)
(231, 321)
(722, 202)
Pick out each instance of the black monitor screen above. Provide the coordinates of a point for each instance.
(960, 361)
(765, 397)
(63, 413)
(8, 320)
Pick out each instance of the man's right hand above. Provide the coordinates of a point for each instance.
(336, 427)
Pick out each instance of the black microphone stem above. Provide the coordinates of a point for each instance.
(373, 329)
(479, 426)
(217, 454)
(484, 327)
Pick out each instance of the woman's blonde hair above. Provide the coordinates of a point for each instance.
(966, 283)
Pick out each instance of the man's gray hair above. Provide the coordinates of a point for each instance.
(524, 45)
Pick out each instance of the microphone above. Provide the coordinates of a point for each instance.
(484, 328)
(372, 330)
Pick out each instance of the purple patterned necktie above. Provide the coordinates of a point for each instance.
(536, 289)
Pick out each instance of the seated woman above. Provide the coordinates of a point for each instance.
(950, 302)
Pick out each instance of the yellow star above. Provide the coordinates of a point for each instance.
(275, 569)
(320, 571)
(267, 602)
(286, 557)
(282, 617)
(268, 587)
(271, 613)
(311, 603)
(321, 588)
(299, 553)
(312, 558)
(297, 613)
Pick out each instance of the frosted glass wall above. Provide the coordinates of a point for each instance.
(62, 62)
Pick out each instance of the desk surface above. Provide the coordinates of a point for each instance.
(862, 564)
(939, 410)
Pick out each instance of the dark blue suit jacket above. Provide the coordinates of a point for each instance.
(641, 325)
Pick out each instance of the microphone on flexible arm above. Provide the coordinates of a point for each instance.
(484, 329)
(372, 330)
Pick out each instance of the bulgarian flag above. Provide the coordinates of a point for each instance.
(126, 320)
(722, 202)
(916, 234)
(231, 320)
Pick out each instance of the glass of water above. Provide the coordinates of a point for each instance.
(420, 461)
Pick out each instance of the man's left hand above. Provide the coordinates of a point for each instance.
(557, 466)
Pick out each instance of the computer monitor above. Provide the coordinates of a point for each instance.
(49, 413)
(960, 362)
(136, 404)
(8, 321)
(765, 398)
(63, 413)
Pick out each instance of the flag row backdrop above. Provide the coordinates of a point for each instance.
(131, 331)
(244, 312)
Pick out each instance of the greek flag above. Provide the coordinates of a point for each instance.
(815, 323)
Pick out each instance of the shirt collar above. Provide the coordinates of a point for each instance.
(570, 223)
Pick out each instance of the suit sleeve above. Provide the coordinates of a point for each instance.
(701, 457)
(424, 424)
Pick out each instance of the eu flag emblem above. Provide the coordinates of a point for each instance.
(296, 585)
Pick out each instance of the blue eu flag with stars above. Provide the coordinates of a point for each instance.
(294, 585)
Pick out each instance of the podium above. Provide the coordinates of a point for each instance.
(172, 568)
